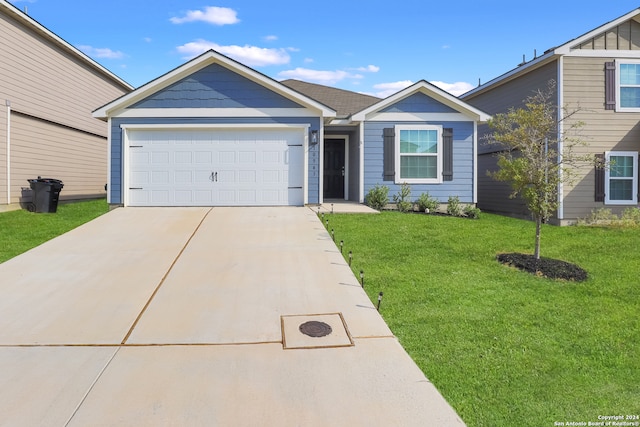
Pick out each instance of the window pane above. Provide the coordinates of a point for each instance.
(621, 167)
(621, 189)
(418, 167)
(630, 97)
(630, 74)
(418, 141)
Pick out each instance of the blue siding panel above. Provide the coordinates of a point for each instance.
(463, 162)
(116, 174)
(418, 103)
(216, 87)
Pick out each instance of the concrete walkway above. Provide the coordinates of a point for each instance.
(191, 316)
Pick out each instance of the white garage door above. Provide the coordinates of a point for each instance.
(216, 167)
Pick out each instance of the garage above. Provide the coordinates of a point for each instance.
(214, 132)
(261, 166)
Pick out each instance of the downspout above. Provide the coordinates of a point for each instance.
(560, 88)
(8, 104)
(475, 162)
(361, 171)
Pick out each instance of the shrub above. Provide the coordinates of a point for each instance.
(425, 201)
(377, 197)
(453, 206)
(472, 212)
(403, 198)
(630, 217)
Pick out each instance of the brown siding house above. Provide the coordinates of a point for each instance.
(48, 90)
(599, 74)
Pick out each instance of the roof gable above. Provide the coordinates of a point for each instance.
(622, 33)
(418, 103)
(215, 86)
(407, 98)
(184, 76)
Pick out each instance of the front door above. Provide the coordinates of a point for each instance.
(334, 168)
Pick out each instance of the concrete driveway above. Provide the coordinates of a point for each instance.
(191, 317)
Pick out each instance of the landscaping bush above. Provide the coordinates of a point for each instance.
(426, 203)
(472, 212)
(453, 206)
(403, 198)
(630, 217)
(377, 197)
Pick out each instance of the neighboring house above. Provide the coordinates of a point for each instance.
(214, 132)
(48, 89)
(599, 72)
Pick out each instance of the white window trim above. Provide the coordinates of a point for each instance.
(438, 178)
(618, 97)
(607, 173)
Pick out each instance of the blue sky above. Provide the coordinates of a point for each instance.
(375, 47)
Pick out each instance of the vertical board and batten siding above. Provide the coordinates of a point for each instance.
(42, 80)
(603, 130)
(116, 173)
(625, 36)
(493, 196)
(462, 184)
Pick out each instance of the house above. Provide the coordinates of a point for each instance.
(214, 132)
(48, 90)
(599, 73)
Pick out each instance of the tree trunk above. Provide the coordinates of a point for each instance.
(538, 228)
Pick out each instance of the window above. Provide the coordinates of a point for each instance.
(621, 178)
(628, 86)
(418, 154)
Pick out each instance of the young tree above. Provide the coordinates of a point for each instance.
(538, 144)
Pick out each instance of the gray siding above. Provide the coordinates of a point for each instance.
(493, 196)
(216, 87)
(625, 36)
(116, 175)
(463, 162)
(510, 94)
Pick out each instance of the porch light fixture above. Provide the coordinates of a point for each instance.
(314, 137)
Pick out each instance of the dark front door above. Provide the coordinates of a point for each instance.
(334, 169)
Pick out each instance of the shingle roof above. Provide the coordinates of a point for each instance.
(343, 101)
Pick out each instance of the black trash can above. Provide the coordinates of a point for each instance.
(46, 192)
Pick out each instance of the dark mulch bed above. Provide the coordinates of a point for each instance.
(547, 267)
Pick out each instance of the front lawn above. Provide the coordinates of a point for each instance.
(504, 347)
(22, 230)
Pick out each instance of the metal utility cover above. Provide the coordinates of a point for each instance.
(293, 336)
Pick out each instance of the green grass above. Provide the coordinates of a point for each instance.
(504, 347)
(22, 230)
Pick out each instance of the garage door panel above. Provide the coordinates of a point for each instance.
(216, 167)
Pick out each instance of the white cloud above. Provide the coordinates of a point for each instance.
(318, 76)
(211, 14)
(148, 39)
(97, 52)
(388, 89)
(308, 60)
(369, 69)
(252, 56)
(271, 38)
(456, 89)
